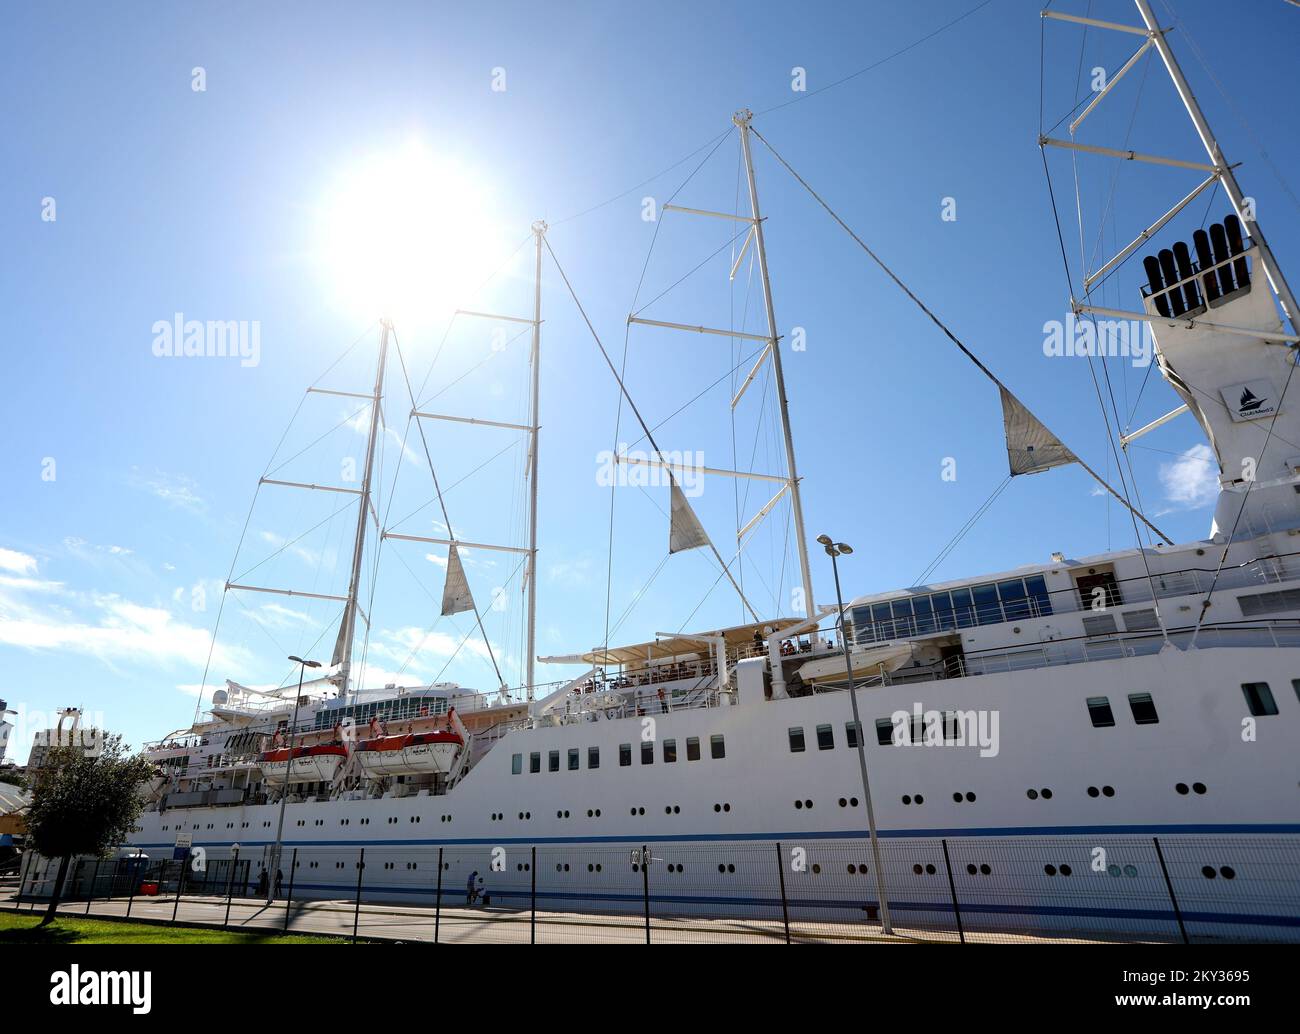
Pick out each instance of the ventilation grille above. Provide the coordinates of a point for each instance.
(1140, 620)
(1100, 624)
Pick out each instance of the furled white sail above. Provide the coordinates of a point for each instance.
(685, 532)
(456, 597)
(1031, 447)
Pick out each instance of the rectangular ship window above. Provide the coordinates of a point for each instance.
(825, 737)
(516, 764)
(692, 748)
(717, 747)
(593, 757)
(1259, 698)
(670, 751)
(624, 754)
(851, 730)
(535, 761)
(647, 753)
(795, 733)
(1143, 708)
(884, 731)
(574, 758)
(1100, 713)
(553, 761)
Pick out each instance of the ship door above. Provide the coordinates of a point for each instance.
(1098, 589)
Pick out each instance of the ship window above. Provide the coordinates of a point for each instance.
(1259, 698)
(902, 610)
(1014, 603)
(924, 615)
(825, 737)
(1100, 713)
(963, 608)
(884, 731)
(1038, 595)
(670, 751)
(574, 758)
(593, 757)
(553, 761)
(795, 733)
(944, 619)
(1295, 684)
(851, 730)
(1143, 708)
(692, 748)
(717, 747)
(535, 762)
(624, 754)
(647, 753)
(881, 619)
(516, 764)
(987, 609)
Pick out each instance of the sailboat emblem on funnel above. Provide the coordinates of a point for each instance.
(1250, 402)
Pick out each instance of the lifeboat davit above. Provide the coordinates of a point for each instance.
(317, 764)
(420, 753)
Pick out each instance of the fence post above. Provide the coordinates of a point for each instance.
(1169, 885)
(293, 871)
(532, 922)
(90, 897)
(437, 904)
(180, 883)
(785, 905)
(645, 888)
(952, 889)
(230, 883)
(356, 911)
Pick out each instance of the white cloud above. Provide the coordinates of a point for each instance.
(17, 563)
(1191, 481)
(178, 490)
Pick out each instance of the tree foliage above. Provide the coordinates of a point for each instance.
(85, 802)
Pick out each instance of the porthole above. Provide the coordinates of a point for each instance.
(1066, 870)
(1208, 872)
(956, 798)
(907, 799)
(798, 804)
(1228, 872)
(970, 797)
(1049, 869)
(917, 870)
(971, 870)
(807, 804)
(985, 870)
(1032, 794)
(1198, 787)
(1182, 788)
(817, 870)
(918, 799)
(1093, 792)
(844, 803)
(1108, 791)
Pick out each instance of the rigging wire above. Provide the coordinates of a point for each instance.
(961, 533)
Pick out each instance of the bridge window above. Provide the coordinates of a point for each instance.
(796, 739)
(825, 737)
(624, 754)
(1259, 698)
(1143, 708)
(718, 746)
(692, 748)
(516, 764)
(1100, 713)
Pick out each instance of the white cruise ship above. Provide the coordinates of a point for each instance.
(1080, 703)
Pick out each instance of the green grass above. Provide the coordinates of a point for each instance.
(24, 929)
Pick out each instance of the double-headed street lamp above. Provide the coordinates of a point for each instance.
(284, 795)
(835, 550)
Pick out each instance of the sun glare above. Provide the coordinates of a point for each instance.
(408, 235)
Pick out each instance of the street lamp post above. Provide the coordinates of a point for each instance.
(284, 794)
(834, 550)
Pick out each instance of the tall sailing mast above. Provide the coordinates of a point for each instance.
(347, 626)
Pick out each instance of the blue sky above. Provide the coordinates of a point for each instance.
(211, 203)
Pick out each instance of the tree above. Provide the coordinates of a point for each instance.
(84, 803)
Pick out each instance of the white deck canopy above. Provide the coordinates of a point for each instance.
(670, 647)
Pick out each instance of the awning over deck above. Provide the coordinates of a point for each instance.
(669, 647)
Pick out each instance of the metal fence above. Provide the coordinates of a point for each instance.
(959, 889)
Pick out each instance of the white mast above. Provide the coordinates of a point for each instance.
(343, 647)
(530, 659)
(742, 120)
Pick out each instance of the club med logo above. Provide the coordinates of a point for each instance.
(215, 339)
(95, 987)
(1250, 400)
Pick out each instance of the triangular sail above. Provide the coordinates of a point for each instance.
(685, 531)
(1031, 447)
(456, 597)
